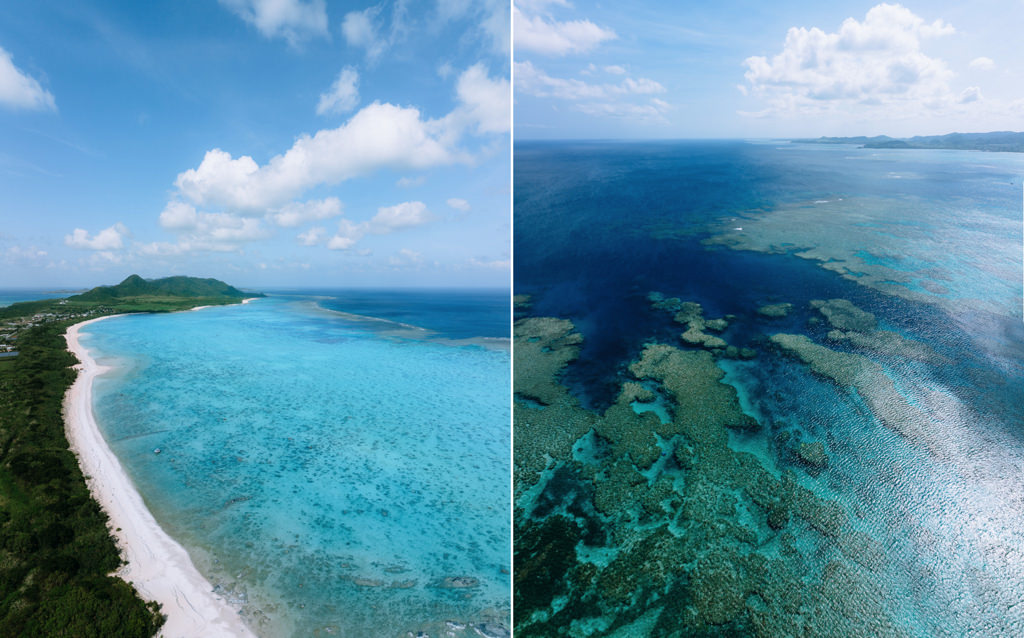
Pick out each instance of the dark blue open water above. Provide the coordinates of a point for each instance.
(451, 313)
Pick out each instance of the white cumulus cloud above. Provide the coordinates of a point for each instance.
(544, 35)
(20, 91)
(877, 62)
(378, 136)
(313, 236)
(343, 96)
(387, 220)
(107, 239)
(298, 213)
(485, 101)
(293, 20)
(198, 230)
(404, 215)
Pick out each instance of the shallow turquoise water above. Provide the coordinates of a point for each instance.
(328, 477)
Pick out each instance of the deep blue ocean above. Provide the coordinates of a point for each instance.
(330, 477)
(14, 295)
(448, 313)
(929, 242)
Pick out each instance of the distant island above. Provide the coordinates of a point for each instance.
(999, 141)
(136, 286)
(134, 294)
(57, 552)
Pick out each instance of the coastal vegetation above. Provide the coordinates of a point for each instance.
(56, 552)
(55, 549)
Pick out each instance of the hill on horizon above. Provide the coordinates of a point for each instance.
(996, 141)
(180, 286)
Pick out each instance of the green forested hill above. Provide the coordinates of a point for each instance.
(136, 286)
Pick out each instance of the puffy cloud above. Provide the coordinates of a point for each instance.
(983, 63)
(360, 30)
(877, 62)
(615, 69)
(107, 239)
(404, 215)
(343, 96)
(533, 81)
(294, 20)
(298, 213)
(245, 194)
(551, 37)
(387, 220)
(225, 227)
(20, 91)
(179, 216)
(199, 230)
(378, 136)
(313, 236)
(486, 102)
(459, 204)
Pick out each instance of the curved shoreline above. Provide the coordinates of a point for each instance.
(156, 565)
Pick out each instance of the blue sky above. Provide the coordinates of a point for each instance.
(754, 69)
(263, 142)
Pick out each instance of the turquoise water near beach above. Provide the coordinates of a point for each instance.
(329, 477)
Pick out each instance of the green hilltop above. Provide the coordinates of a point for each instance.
(134, 294)
(136, 286)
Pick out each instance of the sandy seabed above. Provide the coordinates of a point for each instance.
(156, 565)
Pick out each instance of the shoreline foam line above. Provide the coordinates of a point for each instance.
(157, 566)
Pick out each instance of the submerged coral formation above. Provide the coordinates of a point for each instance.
(630, 522)
(857, 327)
(775, 310)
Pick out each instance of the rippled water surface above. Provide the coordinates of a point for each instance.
(332, 478)
(723, 463)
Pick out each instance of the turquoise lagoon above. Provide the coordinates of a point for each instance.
(330, 474)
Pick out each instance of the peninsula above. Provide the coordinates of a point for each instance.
(62, 568)
(999, 141)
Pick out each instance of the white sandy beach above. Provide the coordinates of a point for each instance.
(157, 566)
